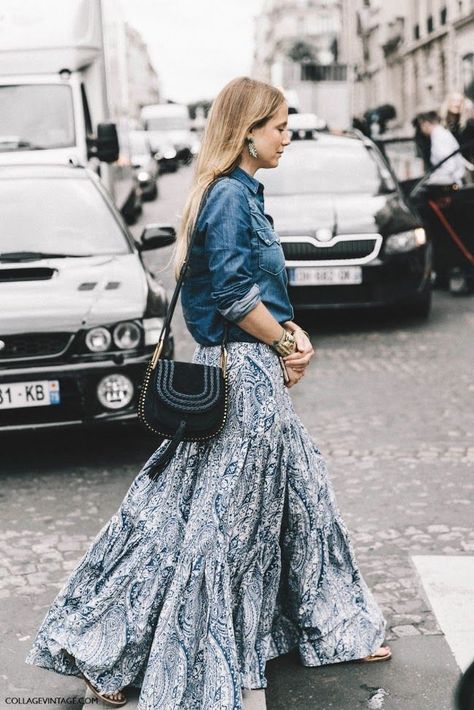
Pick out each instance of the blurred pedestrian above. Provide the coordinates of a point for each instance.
(450, 174)
(457, 115)
(447, 215)
(237, 552)
(360, 124)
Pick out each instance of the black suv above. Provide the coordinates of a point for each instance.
(349, 236)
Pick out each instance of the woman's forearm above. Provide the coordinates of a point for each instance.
(260, 323)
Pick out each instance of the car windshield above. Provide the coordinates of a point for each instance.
(167, 123)
(36, 117)
(308, 167)
(57, 215)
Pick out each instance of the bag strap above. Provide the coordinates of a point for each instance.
(164, 333)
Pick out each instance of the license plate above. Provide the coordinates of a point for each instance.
(40, 393)
(324, 275)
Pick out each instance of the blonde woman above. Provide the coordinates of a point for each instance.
(457, 116)
(237, 552)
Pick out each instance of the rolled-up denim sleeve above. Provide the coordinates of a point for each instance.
(226, 221)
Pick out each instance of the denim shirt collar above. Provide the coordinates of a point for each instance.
(252, 183)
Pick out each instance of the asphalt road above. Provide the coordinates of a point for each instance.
(389, 403)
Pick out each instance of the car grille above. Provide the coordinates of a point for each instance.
(33, 345)
(339, 249)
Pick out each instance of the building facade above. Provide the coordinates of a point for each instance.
(298, 46)
(409, 53)
(132, 80)
(142, 79)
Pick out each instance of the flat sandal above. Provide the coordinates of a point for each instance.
(374, 658)
(104, 698)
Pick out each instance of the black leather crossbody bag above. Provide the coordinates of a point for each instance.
(182, 401)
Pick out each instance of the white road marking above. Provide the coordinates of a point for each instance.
(449, 586)
(254, 699)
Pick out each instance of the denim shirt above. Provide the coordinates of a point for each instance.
(236, 262)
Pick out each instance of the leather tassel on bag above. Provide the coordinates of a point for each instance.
(168, 452)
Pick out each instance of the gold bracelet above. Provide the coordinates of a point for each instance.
(286, 344)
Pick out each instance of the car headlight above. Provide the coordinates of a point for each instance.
(143, 176)
(405, 241)
(127, 335)
(152, 327)
(169, 153)
(98, 339)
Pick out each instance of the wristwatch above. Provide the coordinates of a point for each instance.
(286, 344)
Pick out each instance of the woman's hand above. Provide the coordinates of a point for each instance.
(299, 360)
(294, 376)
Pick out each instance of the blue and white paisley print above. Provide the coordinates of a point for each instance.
(236, 554)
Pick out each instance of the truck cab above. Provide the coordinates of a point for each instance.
(54, 93)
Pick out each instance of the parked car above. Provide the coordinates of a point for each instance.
(144, 164)
(169, 125)
(349, 236)
(80, 313)
(165, 155)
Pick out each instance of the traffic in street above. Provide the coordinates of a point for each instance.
(388, 401)
(318, 183)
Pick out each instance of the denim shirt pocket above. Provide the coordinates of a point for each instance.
(270, 254)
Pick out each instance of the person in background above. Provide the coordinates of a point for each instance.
(440, 190)
(450, 174)
(423, 144)
(457, 116)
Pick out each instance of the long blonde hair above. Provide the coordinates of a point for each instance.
(464, 114)
(243, 104)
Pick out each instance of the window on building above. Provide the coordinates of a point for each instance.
(429, 24)
(468, 75)
(443, 15)
(416, 31)
(442, 74)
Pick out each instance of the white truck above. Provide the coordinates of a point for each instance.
(54, 92)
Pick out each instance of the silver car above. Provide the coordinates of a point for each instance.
(80, 312)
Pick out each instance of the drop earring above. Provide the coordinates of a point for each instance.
(251, 147)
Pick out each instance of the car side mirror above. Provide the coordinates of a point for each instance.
(107, 142)
(155, 236)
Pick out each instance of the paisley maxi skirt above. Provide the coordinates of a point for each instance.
(236, 554)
